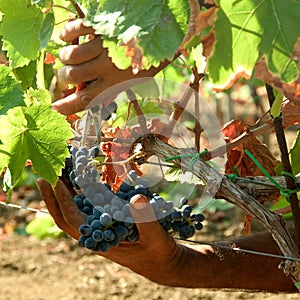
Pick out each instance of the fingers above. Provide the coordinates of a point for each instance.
(71, 214)
(146, 221)
(77, 54)
(89, 70)
(78, 101)
(53, 206)
(74, 30)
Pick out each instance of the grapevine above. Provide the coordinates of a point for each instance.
(100, 152)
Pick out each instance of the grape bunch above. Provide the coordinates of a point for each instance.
(109, 220)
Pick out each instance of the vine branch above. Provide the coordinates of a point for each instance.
(286, 165)
(219, 186)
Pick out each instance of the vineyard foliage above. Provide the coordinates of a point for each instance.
(239, 39)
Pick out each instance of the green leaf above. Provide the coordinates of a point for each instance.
(10, 93)
(42, 3)
(37, 97)
(158, 27)
(26, 75)
(46, 30)
(246, 31)
(43, 227)
(20, 28)
(295, 155)
(37, 133)
(276, 106)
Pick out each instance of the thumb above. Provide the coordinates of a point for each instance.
(145, 219)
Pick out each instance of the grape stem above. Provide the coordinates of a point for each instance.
(121, 162)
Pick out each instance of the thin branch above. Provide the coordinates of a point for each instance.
(220, 184)
(286, 165)
(222, 150)
(195, 86)
(80, 13)
(141, 118)
(179, 108)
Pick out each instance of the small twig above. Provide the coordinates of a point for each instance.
(141, 118)
(222, 150)
(286, 163)
(65, 8)
(121, 162)
(195, 86)
(80, 13)
(179, 108)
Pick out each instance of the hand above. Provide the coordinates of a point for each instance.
(89, 62)
(155, 255)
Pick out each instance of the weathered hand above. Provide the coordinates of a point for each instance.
(155, 255)
(89, 62)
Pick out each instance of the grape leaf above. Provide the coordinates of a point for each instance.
(236, 157)
(46, 30)
(37, 133)
(20, 28)
(138, 26)
(10, 93)
(247, 31)
(26, 75)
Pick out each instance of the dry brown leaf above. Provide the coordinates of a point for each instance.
(236, 158)
(208, 42)
(198, 22)
(290, 113)
(135, 53)
(290, 90)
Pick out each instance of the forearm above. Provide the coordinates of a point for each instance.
(216, 267)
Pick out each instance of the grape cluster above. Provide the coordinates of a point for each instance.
(109, 219)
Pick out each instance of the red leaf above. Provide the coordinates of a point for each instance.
(238, 159)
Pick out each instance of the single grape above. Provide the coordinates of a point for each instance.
(121, 231)
(183, 201)
(85, 229)
(116, 201)
(108, 235)
(93, 152)
(90, 219)
(97, 235)
(81, 160)
(119, 215)
(105, 219)
(90, 243)
(115, 242)
(132, 175)
(96, 224)
(98, 199)
(198, 226)
(103, 246)
(176, 215)
(89, 192)
(125, 187)
(81, 240)
(199, 217)
(98, 211)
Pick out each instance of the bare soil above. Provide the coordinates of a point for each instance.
(50, 269)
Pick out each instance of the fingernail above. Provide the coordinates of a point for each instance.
(138, 202)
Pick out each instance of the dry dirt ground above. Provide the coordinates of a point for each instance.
(31, 269)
